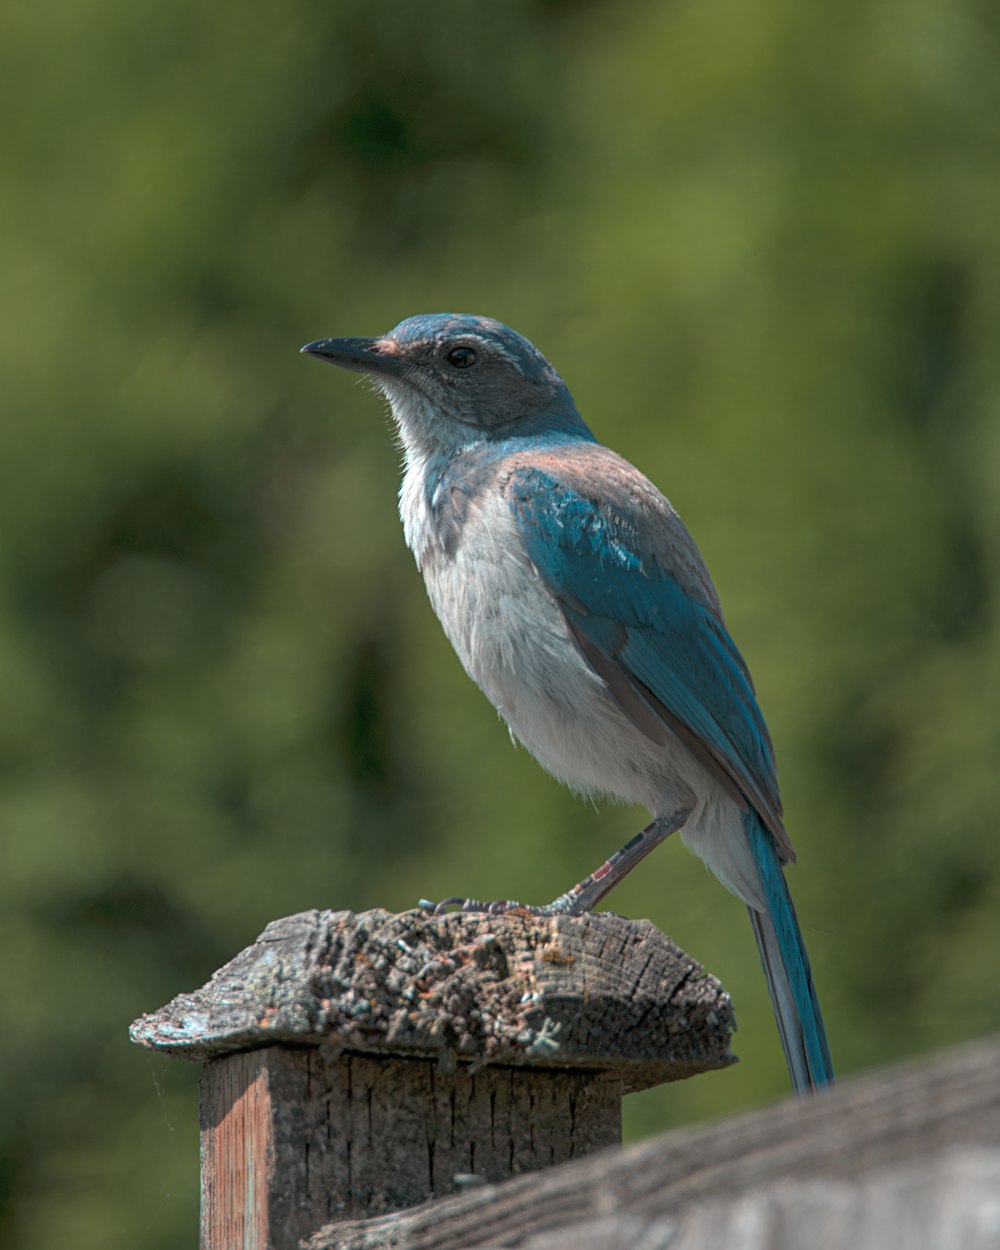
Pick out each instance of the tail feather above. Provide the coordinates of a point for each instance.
(786, 967)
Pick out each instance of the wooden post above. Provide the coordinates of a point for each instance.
(361, 1064)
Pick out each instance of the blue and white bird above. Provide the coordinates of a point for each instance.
(579, 604)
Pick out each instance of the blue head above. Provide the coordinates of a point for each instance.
(453, 380)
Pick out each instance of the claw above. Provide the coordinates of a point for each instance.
(474, 907)
(463, 904)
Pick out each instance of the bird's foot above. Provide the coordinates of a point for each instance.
(476, 907)
(584, 896)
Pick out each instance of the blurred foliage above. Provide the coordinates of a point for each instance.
(759, 241)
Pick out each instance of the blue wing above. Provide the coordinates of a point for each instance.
(666, 656)
(636, 599)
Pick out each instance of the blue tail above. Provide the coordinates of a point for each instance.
(786, 966)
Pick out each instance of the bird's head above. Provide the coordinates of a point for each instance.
(453, 380)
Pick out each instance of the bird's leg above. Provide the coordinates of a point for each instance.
(585, 895)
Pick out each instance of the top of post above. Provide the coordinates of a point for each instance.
(595, 992)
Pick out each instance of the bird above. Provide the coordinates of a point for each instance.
(578, 602)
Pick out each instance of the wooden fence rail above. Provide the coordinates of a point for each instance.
(907, 1158)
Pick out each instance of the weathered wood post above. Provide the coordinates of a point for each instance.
(361, 1064)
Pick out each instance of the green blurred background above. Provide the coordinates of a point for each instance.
(760, 242)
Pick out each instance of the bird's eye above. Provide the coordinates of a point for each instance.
(461, 357)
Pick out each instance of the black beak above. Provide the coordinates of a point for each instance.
(359, 355)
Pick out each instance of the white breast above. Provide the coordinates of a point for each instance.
(513, 641)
